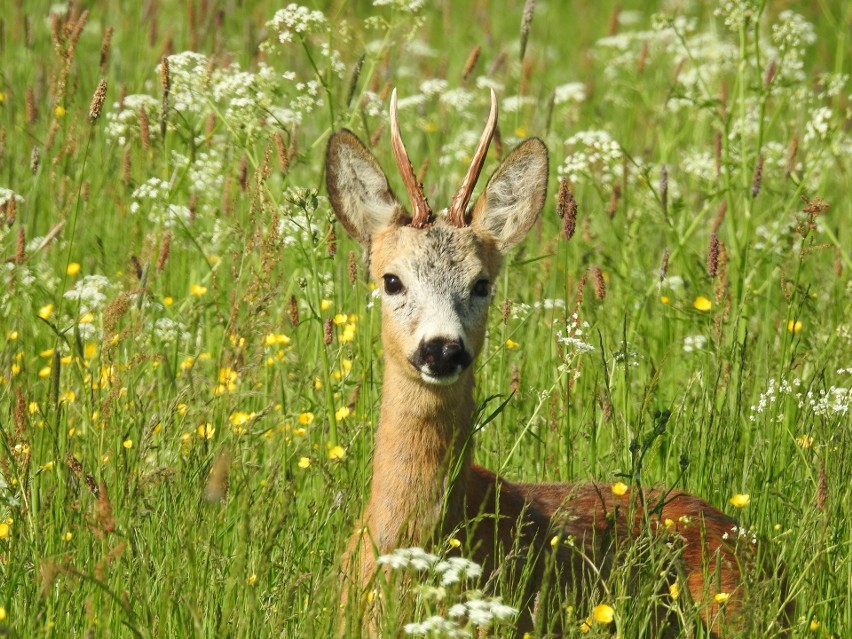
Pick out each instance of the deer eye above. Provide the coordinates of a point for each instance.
(481, 288)
(393, 285)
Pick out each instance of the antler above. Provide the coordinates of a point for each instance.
(422, 212)
(460, 199)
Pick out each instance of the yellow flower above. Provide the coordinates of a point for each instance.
(304, 462)
(45, 311)
(603, 613)
(804, 441)
(619, 488)
(12, 336)
(325, 305)
(794, 326)
(252, 579)
(348, 333)
(306, 418)
(90, 350)
(168, 300)
(336, 453)
(814, 625)
(674, 591)
(721, 597)
(668, 523)
(48, 352)
(276, 339)
(299, 432)
(238, 418)
(586, 626)
(511, 344)
(342, 413)
(73, 268)
(4, 530)
(2, 100)
(87, 318)
(664, 299)
(182, 409)
(198, 290)
(340, 319)
(702, 303)
(128, 444)
(454, 543)
(521, 132)
(44, 373)
(554, 542)
(206, 431)
(59, 111)
(68, 536)
(740, 500)
(2, 609)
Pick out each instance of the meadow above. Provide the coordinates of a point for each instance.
(191, 363)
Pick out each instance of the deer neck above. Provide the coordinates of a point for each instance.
(422, 458)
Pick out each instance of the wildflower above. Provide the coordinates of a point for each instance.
(664, 299)
(306, 418)
(603, 613)
(44, 373)
(348, 333)
(511, 344)
(12, 336)
(45, 311)
(693, 343)
(68, 536)
(454, 543)
(619, 488)
(814, 625)
(325, 305)
(702, 303)
(73, 268)
(586, 625)
(722, 597)
(336, 453)
(198, 290)
(342, 413)
(59, 111)
(168, 300)
(276, 339)
(206, 430)
(304, 462)
(252, 579)
(740, 500)
(804, 441)
(794, 326)
(340, 319)
(128, 444)
(4, 530)
(2, 609)
(674, 591)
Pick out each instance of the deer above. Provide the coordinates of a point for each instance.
(437, 274)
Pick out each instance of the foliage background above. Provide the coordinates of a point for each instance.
(190, 370)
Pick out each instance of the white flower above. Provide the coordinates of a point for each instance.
(7, 194)
(694, 343)
(90, 293)
(296, 19)
(570, 92)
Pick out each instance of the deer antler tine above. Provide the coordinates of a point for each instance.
(421, 212)
(460, 199)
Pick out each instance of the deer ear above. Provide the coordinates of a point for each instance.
(358, 188)
(514, 196)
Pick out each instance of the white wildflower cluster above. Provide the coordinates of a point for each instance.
(548, 304)
(205, 172)
(462, 618)
(791, 32)
(410, 6)
(833, 84)
(571, 336)
(627, 355)
(698, 164)
(169, 331)
(738, 13)
(90, 293)
(433, 87)
(460, 100)
(828, 402)
(572, 92)
(122, 123)
(6, 195)
(693, 343)
(741, 533)
(458, 150)
(189, 81)
(372, 105)
(484, 82)
(153, 191)
(817, 128)
(515, 103)
(594, 156)
(297, 20)
(298, 224)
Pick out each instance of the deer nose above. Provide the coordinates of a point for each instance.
(442, 356)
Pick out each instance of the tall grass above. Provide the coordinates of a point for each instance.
(191, 358)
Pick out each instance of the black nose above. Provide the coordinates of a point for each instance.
(442, 356)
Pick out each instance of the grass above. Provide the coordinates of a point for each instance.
(175, 459)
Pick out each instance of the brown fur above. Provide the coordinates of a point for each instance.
(424, 485)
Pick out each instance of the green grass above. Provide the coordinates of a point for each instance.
(207, 522)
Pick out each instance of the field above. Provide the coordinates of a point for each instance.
(191, 363)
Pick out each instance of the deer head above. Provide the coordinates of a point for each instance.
(436, 273)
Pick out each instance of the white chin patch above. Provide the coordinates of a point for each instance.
(444, 380)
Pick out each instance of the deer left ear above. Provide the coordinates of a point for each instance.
(514, 196)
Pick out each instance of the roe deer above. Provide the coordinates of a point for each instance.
(436, 275)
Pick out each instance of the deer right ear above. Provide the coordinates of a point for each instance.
(358, 188)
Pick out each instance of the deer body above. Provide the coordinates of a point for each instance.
(436, 275)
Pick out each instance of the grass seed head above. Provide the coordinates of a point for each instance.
(20, 244)
(352, 268)
(566, 208)
(792, 149)
(35, 160)
(98, 98)
(713, 255)
(600, 284)
(757, 178)
(526, 23)
(664, 265)
(106, 45)
(720, 217)
(470, 64)
(165, 249)
(32, 110)
(294, 311)
(614, 199)
(328, 332)
(664, 190)
(144, 128)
